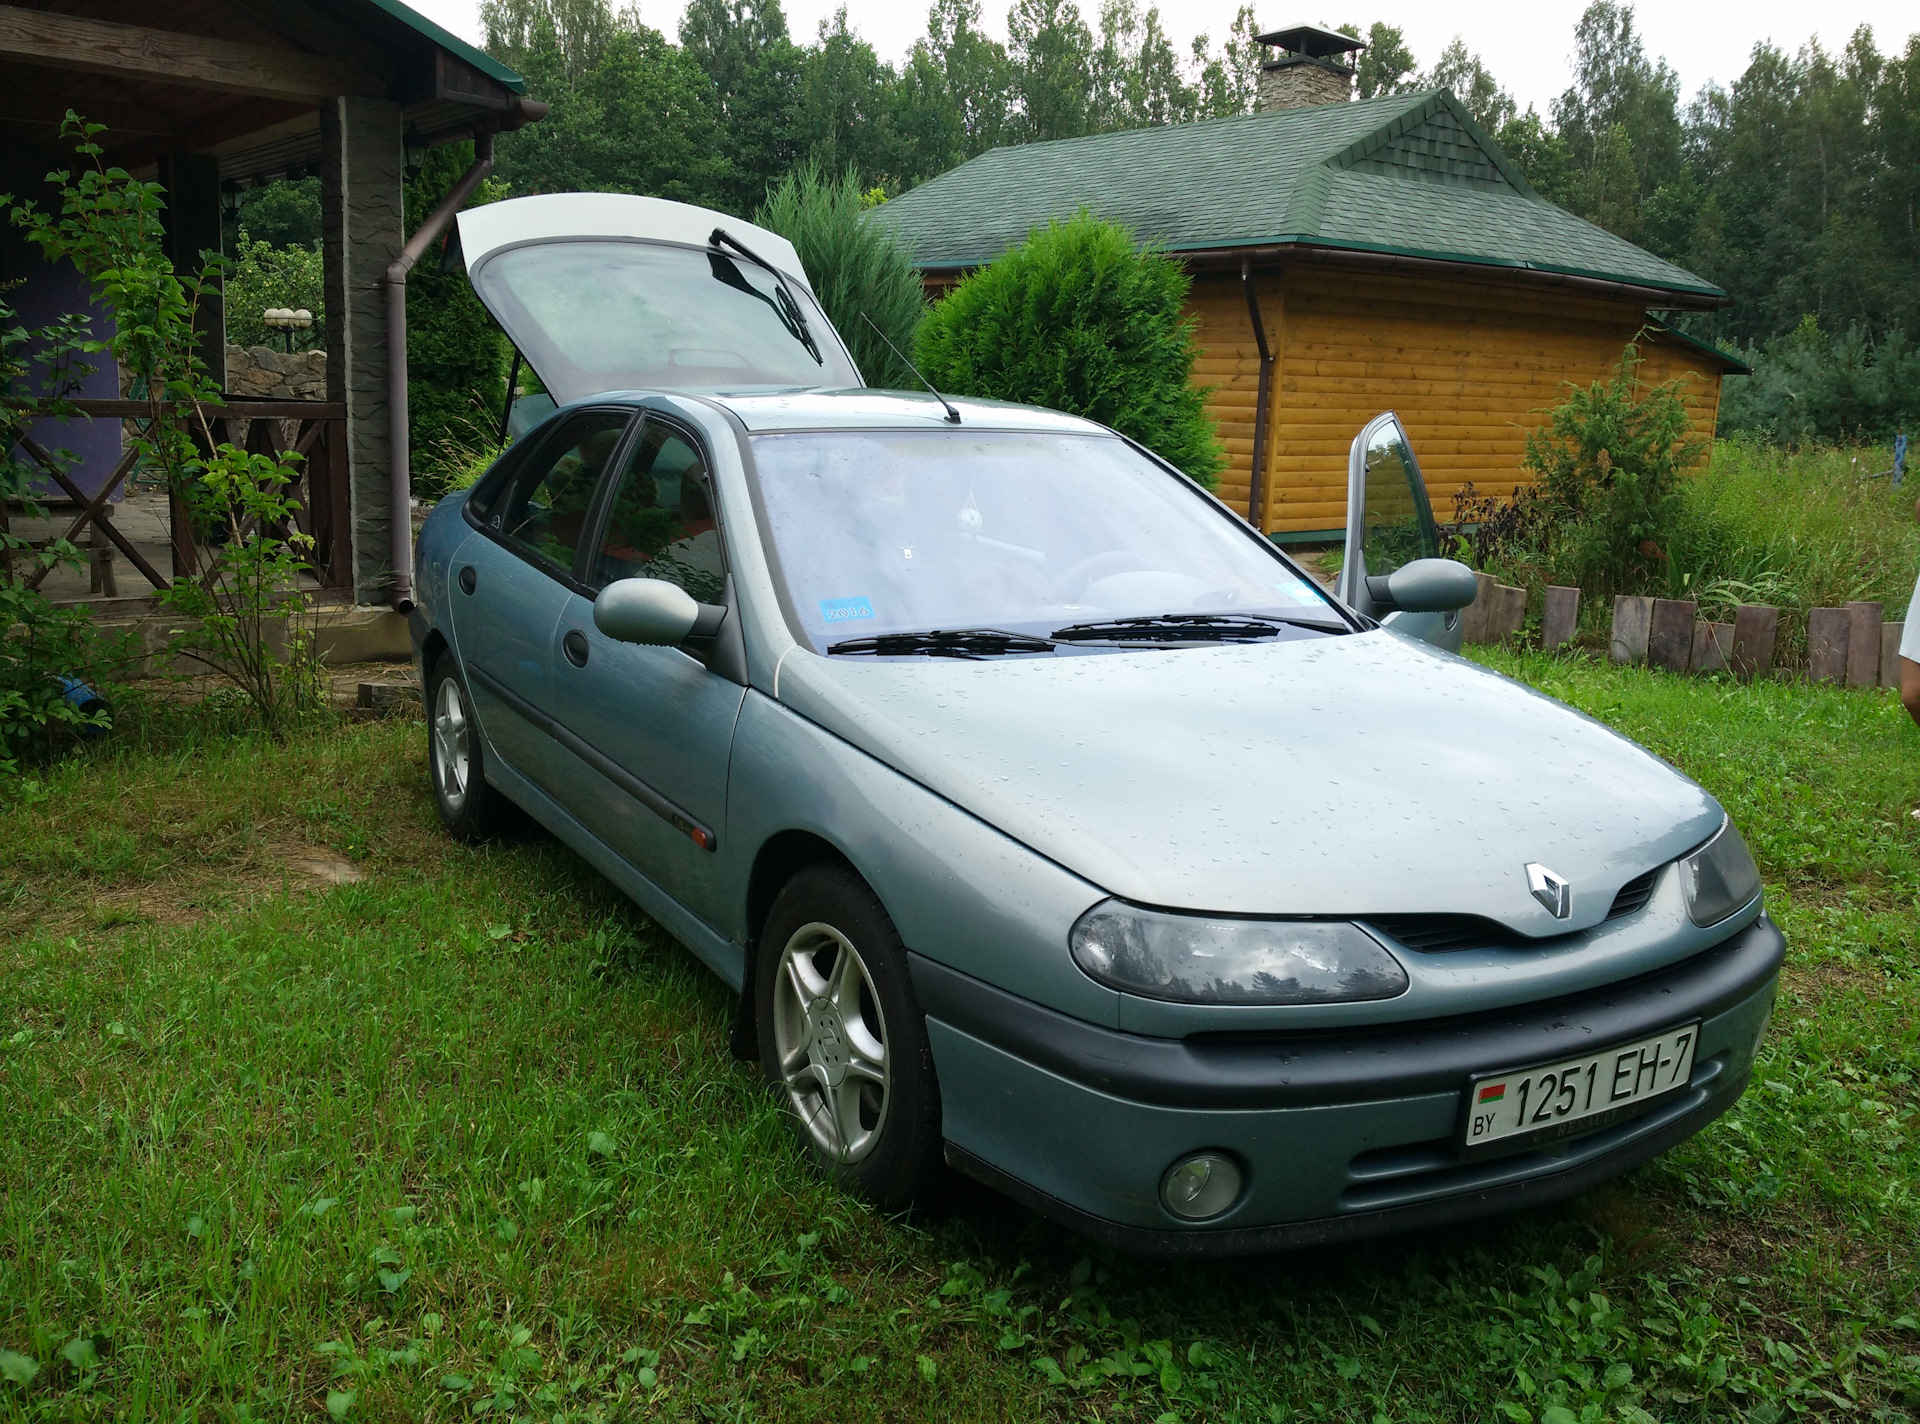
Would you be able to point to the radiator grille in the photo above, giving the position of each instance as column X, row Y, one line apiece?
column 1438, row 933
column 1633, row 895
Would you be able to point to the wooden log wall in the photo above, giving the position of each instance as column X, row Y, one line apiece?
column 1469, row 366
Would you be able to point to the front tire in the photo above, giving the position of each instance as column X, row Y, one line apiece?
column 842, row 1038
column 470, row 809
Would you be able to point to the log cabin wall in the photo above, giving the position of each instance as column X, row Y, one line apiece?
column 1469, row 366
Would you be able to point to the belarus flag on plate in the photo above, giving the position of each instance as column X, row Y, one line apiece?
column 1492, row 1092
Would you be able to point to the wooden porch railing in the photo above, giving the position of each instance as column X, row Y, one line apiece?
column 319, row 435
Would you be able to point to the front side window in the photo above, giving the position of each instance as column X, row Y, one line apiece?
column 660, row 524
column 543, row 510
column 887, row 532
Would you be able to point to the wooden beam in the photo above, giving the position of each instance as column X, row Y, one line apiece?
column 49, row 106
column 324, row 30
column 58, row 41
column 242, row 124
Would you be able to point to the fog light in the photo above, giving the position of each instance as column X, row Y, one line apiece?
column 1200, row 1187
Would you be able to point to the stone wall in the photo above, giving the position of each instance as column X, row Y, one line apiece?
column 261, row 373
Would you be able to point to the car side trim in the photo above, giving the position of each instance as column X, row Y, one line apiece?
column 1414, row 1216
column 701, row 835
column 1302, row 1068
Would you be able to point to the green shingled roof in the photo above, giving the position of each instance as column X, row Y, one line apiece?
column 1408, row 174
column 452, row 43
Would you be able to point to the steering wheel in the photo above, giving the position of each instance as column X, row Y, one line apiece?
column 1076, row 580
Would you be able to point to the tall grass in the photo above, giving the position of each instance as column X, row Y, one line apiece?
column 1795, row 529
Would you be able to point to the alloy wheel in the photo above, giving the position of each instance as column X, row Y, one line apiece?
column 452, row 748
column 831, row 1040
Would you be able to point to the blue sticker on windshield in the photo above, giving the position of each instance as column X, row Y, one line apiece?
column 842, row 610
column 1298, row 589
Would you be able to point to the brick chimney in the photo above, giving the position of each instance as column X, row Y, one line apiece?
column 1311, row 66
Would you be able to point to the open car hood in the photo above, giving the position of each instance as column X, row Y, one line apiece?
column 615, row 292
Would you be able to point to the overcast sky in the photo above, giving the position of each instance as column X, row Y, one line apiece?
column 1524, row 42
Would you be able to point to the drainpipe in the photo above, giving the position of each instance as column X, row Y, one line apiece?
column 1256, row 485
column 400, row 485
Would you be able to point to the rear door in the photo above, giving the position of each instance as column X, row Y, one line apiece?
column 1389, row 523
column 510, row 586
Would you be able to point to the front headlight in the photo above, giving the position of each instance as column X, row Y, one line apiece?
column 1191, row 959
column 1719, row 878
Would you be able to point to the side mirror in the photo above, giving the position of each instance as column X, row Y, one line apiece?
column 1424, row 586
column 654, row 613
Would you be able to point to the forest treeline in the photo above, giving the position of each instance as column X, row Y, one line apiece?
column 1795, row 187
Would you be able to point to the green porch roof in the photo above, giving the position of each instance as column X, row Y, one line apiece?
column 1405, row 174
column 451, row 42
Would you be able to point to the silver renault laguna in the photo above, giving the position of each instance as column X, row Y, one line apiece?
column 1051, row 824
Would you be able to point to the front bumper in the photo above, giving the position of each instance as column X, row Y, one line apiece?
column 1341, row 1135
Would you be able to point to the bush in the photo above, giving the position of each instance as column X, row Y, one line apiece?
column 456, row 355
column 264, row 276
column 1607, row 466
column 1079, row 319
column 858, row 269
column 1809, row 386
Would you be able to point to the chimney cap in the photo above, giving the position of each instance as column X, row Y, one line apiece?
column 1312, row 41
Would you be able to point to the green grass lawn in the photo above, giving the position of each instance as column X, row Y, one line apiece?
column 459, row 1135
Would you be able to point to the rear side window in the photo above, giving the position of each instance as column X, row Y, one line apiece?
column 543, row 508
column 660, row 523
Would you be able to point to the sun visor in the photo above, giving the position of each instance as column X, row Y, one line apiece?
column 550, row 216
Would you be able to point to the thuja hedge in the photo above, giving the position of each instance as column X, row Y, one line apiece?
column 1079, row 318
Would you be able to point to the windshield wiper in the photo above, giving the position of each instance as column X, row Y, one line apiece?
column 787, row 309
column 938, row 643
column 1183, row 628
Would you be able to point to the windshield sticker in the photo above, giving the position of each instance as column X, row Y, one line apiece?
column 1298, row 589
column 844, row 610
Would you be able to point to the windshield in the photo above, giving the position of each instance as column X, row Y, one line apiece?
column 592, row 316
column 890, row 532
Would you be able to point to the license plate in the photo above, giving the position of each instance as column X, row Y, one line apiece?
column 1526, row 1105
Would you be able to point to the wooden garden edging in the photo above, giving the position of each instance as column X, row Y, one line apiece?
column 1852, row 646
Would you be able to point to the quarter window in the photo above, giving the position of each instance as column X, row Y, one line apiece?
column 660, row 524
column 544, row 509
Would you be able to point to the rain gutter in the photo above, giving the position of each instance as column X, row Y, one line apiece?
column 1256, row 483
column 399, row 467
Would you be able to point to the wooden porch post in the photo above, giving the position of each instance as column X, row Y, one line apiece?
column 360, row 205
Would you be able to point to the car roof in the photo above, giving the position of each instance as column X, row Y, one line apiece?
column 763, row 412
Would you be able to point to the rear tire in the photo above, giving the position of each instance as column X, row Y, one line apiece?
column 842, row 1038
column 470, row 809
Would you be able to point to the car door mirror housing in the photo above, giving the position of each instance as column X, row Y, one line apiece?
column 1424, row 586
column 652, row 612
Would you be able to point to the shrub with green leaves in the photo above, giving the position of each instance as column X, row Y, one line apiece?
column 859, row 269
column 1607, row 465
column 1081, row 319
column 264, row 276
column 1813, row 386
column 456, row 355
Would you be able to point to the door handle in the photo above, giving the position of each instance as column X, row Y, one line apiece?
column 575, row 647
column 467, row 579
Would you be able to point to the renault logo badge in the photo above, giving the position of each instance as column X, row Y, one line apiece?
column 1553, row 891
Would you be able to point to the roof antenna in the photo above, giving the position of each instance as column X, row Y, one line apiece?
column 953, row 416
